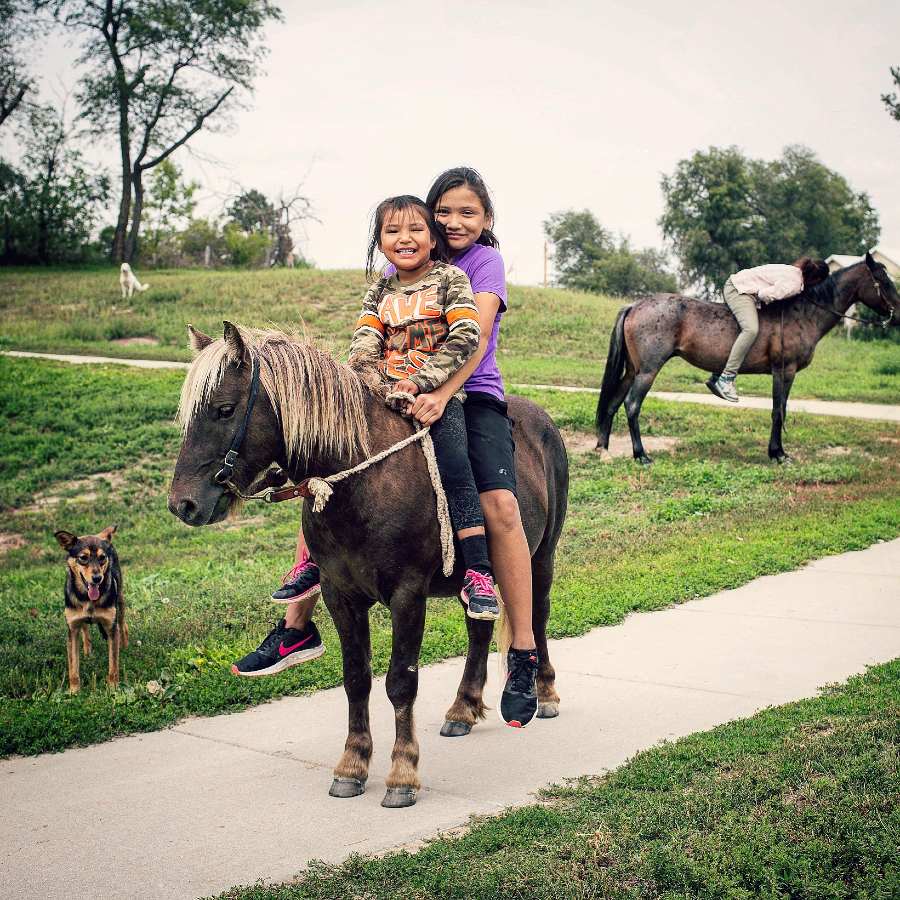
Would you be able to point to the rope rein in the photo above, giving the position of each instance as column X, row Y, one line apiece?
column 319, row 490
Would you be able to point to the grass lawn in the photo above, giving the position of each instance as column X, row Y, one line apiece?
column 552, row 336
column 796, row 801
column 81, row 448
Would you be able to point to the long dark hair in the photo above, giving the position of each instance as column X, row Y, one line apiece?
column 404, row 203
column 814, row 271
column 459, row 177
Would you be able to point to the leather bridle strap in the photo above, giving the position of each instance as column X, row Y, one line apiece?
column 223, row 476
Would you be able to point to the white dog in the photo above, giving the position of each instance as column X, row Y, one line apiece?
column 129, row 283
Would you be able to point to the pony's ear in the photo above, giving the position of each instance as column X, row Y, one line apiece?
column 870, row 261
column 237, row 352
column 65, row 538
column 197, row 340
column 107, row 533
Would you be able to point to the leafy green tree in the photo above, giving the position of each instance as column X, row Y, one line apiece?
column 169, row 206
column 587, row 257
column 891, row 100
column 252, row 212
column 725, row 212
column 16, row 27
column 202, row 242
column 157, row 72
column 246, row 250
column 50, row 206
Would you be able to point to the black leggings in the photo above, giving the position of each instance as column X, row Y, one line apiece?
column 452, row 451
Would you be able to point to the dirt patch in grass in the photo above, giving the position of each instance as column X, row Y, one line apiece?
column 619, row 445
column 10, row 541
column 145, row 340
column 83, row 490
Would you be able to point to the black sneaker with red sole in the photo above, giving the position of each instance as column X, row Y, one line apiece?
column 518, row 702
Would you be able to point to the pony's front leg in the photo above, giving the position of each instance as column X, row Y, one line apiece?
column 408, row 623
column 781, row 388
column 351, row 618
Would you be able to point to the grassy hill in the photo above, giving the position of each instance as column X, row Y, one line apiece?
column 551, row 336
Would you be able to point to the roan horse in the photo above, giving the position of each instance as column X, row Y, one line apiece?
column 647, row 334
column 378, row 537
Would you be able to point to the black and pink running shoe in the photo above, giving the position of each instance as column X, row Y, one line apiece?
column 480, row 596
column 301, row 582
column 281, row 648
column 518, row 702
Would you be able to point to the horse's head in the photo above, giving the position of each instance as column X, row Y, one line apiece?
column 877, row 290
column 217, row 415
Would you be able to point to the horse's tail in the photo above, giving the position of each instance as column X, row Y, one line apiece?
column 615, row 366
column 504, row 631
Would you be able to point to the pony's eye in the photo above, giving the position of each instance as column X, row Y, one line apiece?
column 226, row 411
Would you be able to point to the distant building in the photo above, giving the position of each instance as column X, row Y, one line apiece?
column 888, row 257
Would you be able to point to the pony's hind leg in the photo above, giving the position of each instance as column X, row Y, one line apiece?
column 542, row 579
column 633, row 402
column 605, row 423
column 351, row 619
column 408, row 626
column 468, row 707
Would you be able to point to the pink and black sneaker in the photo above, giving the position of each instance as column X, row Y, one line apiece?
column 480, row 596
column 281, row 648
column 301, row 582
column 518, row 701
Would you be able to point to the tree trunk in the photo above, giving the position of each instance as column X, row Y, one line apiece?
column 131, row 245
column 119, row 243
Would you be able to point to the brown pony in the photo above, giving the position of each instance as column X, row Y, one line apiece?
column 647, row 334
column 269, row 398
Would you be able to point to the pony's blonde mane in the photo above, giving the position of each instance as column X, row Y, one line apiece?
column 319, row 401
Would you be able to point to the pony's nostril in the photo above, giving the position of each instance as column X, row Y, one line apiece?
column 186, row 508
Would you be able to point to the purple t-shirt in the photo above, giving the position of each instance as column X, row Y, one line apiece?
column 484, row 266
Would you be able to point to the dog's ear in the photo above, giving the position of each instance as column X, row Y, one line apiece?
column 107, row 533
column 197, row 340
column 66, row 539
column 237, row 351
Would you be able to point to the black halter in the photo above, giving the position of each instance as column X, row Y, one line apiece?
column 223, row 476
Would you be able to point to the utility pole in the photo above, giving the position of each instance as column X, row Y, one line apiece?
column 545, row 264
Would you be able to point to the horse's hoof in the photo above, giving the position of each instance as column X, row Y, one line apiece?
column 347, row 787
column 455, row 729
column 398, row 797
column 549, row 710
column 644, row 460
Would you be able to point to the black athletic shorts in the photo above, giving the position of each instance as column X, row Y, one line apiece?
column 491, row 446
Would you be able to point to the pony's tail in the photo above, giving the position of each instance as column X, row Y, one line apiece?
column 504, row 630
column 615, row 367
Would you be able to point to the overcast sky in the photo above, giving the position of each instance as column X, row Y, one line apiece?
column 559, row 104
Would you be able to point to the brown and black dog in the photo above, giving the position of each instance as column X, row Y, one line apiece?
column 93, row 594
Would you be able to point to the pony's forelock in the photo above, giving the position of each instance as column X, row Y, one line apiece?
column 319, row 402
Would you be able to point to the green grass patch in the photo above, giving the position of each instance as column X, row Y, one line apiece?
column 85, row 447
column 796, row 801
column 551, row 336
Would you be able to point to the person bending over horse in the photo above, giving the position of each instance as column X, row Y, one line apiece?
column 462, row 205
column 748, row 289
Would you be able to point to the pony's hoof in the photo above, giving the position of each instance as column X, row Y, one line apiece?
column 398, row 797
column 455, row 729
column 549, row 710
column 643, row 460
column 347, row 787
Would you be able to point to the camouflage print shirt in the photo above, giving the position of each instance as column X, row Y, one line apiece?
column 423, row 331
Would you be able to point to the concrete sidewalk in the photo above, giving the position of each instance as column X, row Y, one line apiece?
column 883, row 412
column 217, row 802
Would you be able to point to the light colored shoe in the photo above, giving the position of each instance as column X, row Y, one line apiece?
column 723, row 387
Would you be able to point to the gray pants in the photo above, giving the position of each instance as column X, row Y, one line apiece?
column 744, row 308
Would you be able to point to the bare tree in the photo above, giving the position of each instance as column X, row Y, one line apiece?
column 891, row 100
column 158, row 72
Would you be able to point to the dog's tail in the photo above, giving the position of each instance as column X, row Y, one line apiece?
column 143, row 287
